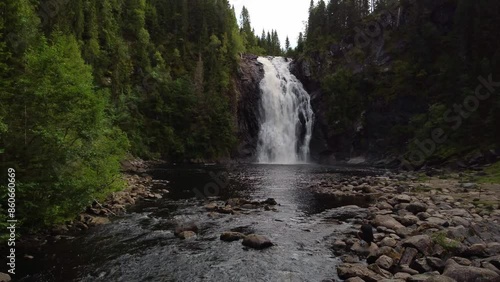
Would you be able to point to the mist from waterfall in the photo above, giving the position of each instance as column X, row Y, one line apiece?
column 286, row 115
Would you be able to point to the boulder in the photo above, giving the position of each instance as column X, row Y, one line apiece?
column 384, row 262
column 388, row 242
column 408, row 220
column 436, row 221
column 186, row 235
column 384, row 206
column 435, row 263
column 226, row 210
column 364, row 249
column 231, row 236
column 403, row 198
column 99, row 220
column 421, row 265
column 349, row 258
column 493, row 248
column 258, row 242
column 346, row 212
column 468, row 273
column 211, row 206
column 388, row 251
column 387, row 221
column 476, row 250
column 490, row 266
column 348, row 270
column 423, row 243
column 4, row 277
column 416, row 208
column 380, row 271
column 407, row 269
column 460, row 221
column 423, row 215
column 408, row 257
column 186, row 227
column 270, row 201
column 462, row 261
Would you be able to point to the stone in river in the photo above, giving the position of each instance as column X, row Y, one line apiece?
column 231, row 236
column 258, row 242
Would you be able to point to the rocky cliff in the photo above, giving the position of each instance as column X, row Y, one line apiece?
column 368, row 55
column 250, row 73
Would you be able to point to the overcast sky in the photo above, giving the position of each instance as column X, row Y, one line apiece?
column 288, row 17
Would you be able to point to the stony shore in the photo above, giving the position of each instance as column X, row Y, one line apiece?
column 428, row 229
column 139, row 185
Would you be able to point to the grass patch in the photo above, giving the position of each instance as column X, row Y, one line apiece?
column 487, row 205
column 442, row 240
column 493, row 174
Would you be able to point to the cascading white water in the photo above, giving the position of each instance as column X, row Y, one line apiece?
column 286, row 115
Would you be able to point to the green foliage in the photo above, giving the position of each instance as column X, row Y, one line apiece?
column 267, row 44
column 93, row 80
column 344, row 100
column 492, row 174
column 69, row 152
column 422, row 71
column 442, row 240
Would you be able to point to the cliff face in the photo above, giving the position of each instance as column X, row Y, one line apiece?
column 366, row 56
column 250, row 74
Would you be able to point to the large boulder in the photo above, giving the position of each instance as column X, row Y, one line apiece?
column 388, row 222
column 348, row 270
column 384, row 261
column 423, row 243
column 468, row 273
column 258, row 242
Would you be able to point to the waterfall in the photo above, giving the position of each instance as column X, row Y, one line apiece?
column 286, row 116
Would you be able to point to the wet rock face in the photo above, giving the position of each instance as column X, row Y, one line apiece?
column 250, row 74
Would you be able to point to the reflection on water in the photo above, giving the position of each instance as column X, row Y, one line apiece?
column 140, row 246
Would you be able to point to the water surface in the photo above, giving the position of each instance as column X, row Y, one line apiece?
column 141, row 246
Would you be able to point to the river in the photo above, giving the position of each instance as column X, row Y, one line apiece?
column 141, row 246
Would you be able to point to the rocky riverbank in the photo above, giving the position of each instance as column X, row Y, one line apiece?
column 139, row 185
column 426, row 229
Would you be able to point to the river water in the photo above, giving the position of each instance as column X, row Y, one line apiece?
column 141, row 246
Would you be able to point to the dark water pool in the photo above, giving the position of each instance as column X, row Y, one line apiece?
column 141, row 246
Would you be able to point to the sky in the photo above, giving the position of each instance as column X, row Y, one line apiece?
column 288, row 17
